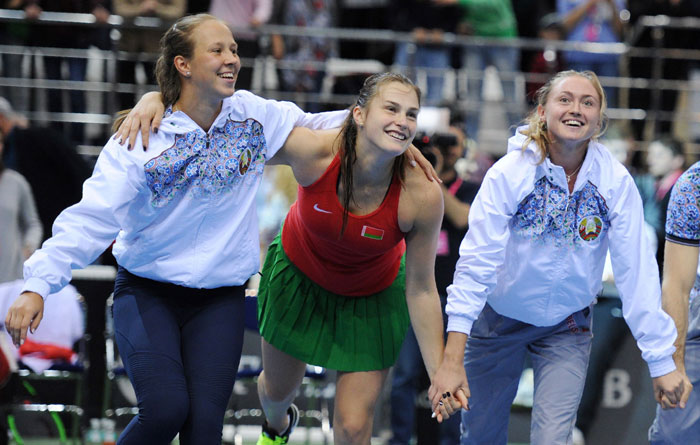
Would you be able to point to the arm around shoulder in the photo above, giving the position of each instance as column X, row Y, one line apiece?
column 307, row 152
column 145, row 116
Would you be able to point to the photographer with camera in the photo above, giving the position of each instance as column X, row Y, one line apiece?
column 443, row 150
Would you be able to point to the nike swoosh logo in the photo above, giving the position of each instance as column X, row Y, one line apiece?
column 319, row 209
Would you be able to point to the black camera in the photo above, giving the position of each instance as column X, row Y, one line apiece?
column 442, row 141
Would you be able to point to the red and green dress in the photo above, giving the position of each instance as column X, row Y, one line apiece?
column 332, row 301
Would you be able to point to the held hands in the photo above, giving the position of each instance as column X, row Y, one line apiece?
column 145, row 116
column 672, row 390
column 447, row 406
column 449, row 390
column 26, row 312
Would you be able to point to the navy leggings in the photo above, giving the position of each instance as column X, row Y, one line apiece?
column 181, row 348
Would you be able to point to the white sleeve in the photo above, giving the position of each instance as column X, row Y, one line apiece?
column 83, row 231
column 483, row 249
column 322, row 121
column 280, row 117
column 637, row 279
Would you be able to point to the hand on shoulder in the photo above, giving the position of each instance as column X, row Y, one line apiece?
column 421, row 202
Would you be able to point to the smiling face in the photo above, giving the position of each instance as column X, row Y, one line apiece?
column 215, row 64
column 389, row 121
column 572, row 111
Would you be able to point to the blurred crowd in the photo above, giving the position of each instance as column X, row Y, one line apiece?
column 427, row 56
column 42, row 180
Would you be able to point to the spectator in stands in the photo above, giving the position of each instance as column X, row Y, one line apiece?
column 21, row 228
column 66, row 37
column 665, row 160
column 142, row 42
column 55, row 171
column 593, row 21
column 528, row 14
column 241, row 16
column 304, row 54
column 549, row 61
column 14, row 34
column 457, row 194
column 427, row 22
column 625, row 150
column 649, row 98
column 490, row 19
column 197, row 6
column 475, row 164
column 363, row 14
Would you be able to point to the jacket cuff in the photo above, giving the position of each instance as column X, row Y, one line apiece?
column 37, row 285
column 456, row 323
column 661, row 367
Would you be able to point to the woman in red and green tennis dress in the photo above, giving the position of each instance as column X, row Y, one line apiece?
column 353, row 266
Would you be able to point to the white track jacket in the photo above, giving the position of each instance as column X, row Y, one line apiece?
column 535, row 252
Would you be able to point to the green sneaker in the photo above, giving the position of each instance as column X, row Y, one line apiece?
column 270, row 437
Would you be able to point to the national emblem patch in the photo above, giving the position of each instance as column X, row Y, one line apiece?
column 590, row 227
column 244, row 161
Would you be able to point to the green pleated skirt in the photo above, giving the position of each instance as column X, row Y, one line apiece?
column 322, row 328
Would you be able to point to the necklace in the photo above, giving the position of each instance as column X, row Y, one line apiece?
column 568, row 177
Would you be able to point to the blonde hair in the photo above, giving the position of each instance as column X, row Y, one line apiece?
column 176, row 41
column 537, row 127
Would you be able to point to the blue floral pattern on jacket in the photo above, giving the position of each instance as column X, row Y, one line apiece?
column 207, row 164
column 550, row 215
column 683, row 216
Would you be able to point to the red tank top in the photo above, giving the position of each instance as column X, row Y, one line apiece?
column 365, row 260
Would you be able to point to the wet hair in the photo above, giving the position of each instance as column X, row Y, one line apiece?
column 349, row 131
column 176, row 41
column 537, row 127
